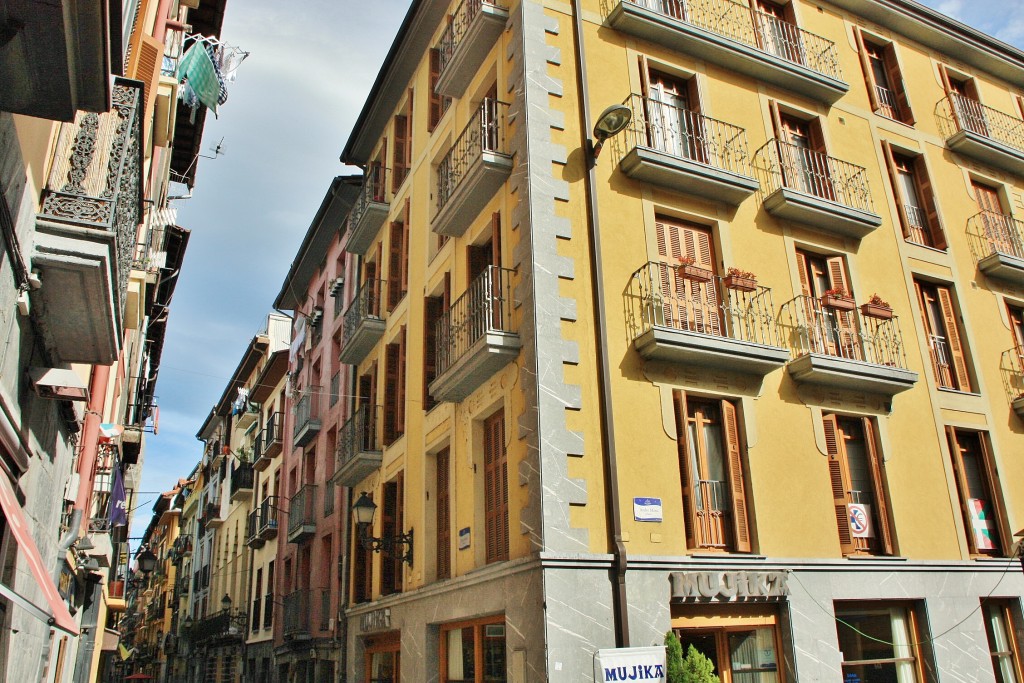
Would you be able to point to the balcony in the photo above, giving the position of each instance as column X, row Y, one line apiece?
column 302, row 514
column 706, row 324
column 476, row 337
column 224, row 625
column 245, row 415
column 242, row 478
column 86, row 231
column 364, row 322
column 734, row 36
column 211, row 516
column 1011, row 368
column 297, row 615
column 687, row 152
column 307, row 417
column 359, row 450
column 266, row 528
column 997, row 243
column 473, row 169
column 812, row 188
column 368, row 212
column 845, row 349
column 252, row 525
column 269, row 442
column 985, row 134
column 472, row 32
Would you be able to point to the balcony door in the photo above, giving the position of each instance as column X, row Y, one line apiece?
column 966, row 105
column 803, row 157
column 687, row 303
column 776, row 32
column 674, row 124
column 830, row 331
column 999, row 230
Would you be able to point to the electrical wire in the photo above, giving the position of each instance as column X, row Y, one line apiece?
column 924, row 641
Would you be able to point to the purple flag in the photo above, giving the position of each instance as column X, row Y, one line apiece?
column 118, row 508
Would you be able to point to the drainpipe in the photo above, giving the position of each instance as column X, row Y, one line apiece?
column 90, row 436
column 160, row 28
column 611, row 477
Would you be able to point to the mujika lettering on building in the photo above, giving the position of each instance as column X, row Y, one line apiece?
column 635, row 672
column 729, row 585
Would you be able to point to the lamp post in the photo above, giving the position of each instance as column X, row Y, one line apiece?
column 146, row 560
column 363, row 510
column 225, row 602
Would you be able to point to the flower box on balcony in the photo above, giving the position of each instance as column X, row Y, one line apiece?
column 876, row 311
column 838, row 302
column 741, row 283
column 694, row 273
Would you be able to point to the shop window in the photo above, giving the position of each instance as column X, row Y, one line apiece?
column 945, row 346
column 495, row 488
column 977, row 484
column 884, row 80
column 746, row 648
column 883, row 642
column 474, row 652
column 857, row 475
column 383, row 659
column 1003, row 632
column 712, row 473
column 915, row 198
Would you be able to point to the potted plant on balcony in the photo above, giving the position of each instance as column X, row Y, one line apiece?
column 838, row 299
column 740, row 280
column 876, row 307
column 688, row 270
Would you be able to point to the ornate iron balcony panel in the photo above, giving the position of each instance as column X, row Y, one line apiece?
column 364, row 322
column 472, row 32
column 983, row 133
column 359, row 447
column 997, row 243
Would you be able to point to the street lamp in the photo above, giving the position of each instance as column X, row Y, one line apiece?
column 225, row 602
column 612, row 121
column 363, row 510
column 146, row 560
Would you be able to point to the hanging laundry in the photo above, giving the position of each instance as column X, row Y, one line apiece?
column 213, row 51
column 197, row 69
column 228, row 59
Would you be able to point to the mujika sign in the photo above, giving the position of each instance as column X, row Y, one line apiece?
column 728, row 585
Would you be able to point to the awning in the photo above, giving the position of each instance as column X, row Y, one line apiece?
column 58, row 616
column 111, row 639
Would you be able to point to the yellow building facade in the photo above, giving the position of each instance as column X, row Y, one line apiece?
column 751, row 373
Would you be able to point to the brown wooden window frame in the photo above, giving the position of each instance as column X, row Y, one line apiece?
column 921, row 658
column 392, row 524
column 394, row 398
column 401, row 151
column 956, row 440
column 496, row 508
column 736, row 535
column 479, row 631
column 898, row 161
column 938, row 308
column 438, row 103
column 870, row 48
column 1009, row 616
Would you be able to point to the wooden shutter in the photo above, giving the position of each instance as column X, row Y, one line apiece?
column 400, row 389
column 144, row 62
column 395, row 267
column 688, row 304
column 432, row 311
column 846, row 321
column 839, row 479
column 897, row 188
column 995, row 492
column 878, row 482
column 436, row 109
column 389, row 578
column 391, row 356
column 927, row 194
column 926, row 323
column 495, row 488
column 496, row 239
column 442, row 463
column 956, row 349
column 740, row 518
column 956, row 455
column 404, row 256
column 687, row 475
column 399, row 162
column 362, row 571
column 865, row 65
column 777, row 128
column 895, row 76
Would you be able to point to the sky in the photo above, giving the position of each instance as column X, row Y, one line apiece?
column 283, row 127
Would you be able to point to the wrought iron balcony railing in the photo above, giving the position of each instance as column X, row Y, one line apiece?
column 957, row 113
column 307, row 415
column 297, row 613
column 457, row 28
column 372, row 192
column 366, row 305
column 755, row 29
column 226, row 624
column 485, row 132
column 242, row 478
column 359, row 434
column 782, row 165
column 268, row 510
column 995, row 233
column 814, row 328
column 302, row 509
column 487, row 306
column 1011, row 367
column 687, row 134
column 251, row 527
column 659, row 297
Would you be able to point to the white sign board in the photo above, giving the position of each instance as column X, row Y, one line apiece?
column 647, row 509
column 630, row 664
column 860, row 520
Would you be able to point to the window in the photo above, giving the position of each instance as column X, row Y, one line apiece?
column 776, row 32
column 474, row 652
column 672, row 106
column 967, row 109
column 712, row 472
column 362, row 566
column 402, row 152
column 944, row 344
column 394, row 397
column 442, row 463
column 915, row 198
column 495, row 488
column 1002, row 641
column 802, row 154
column 438, row 103
column 383, row 659
column 831, row 330
column 398, row 259
column 1000, row 228
column 1016, row 315
column 857, row 476
column 880, row 643
column 977, row 484
column 392, row 524
column 747, row 650
column 688, row 303
column 434, row 308
column 884, row 80
column 268, row 599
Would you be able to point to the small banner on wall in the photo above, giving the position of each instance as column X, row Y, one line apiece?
column 860, row 520
column 630, row 664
